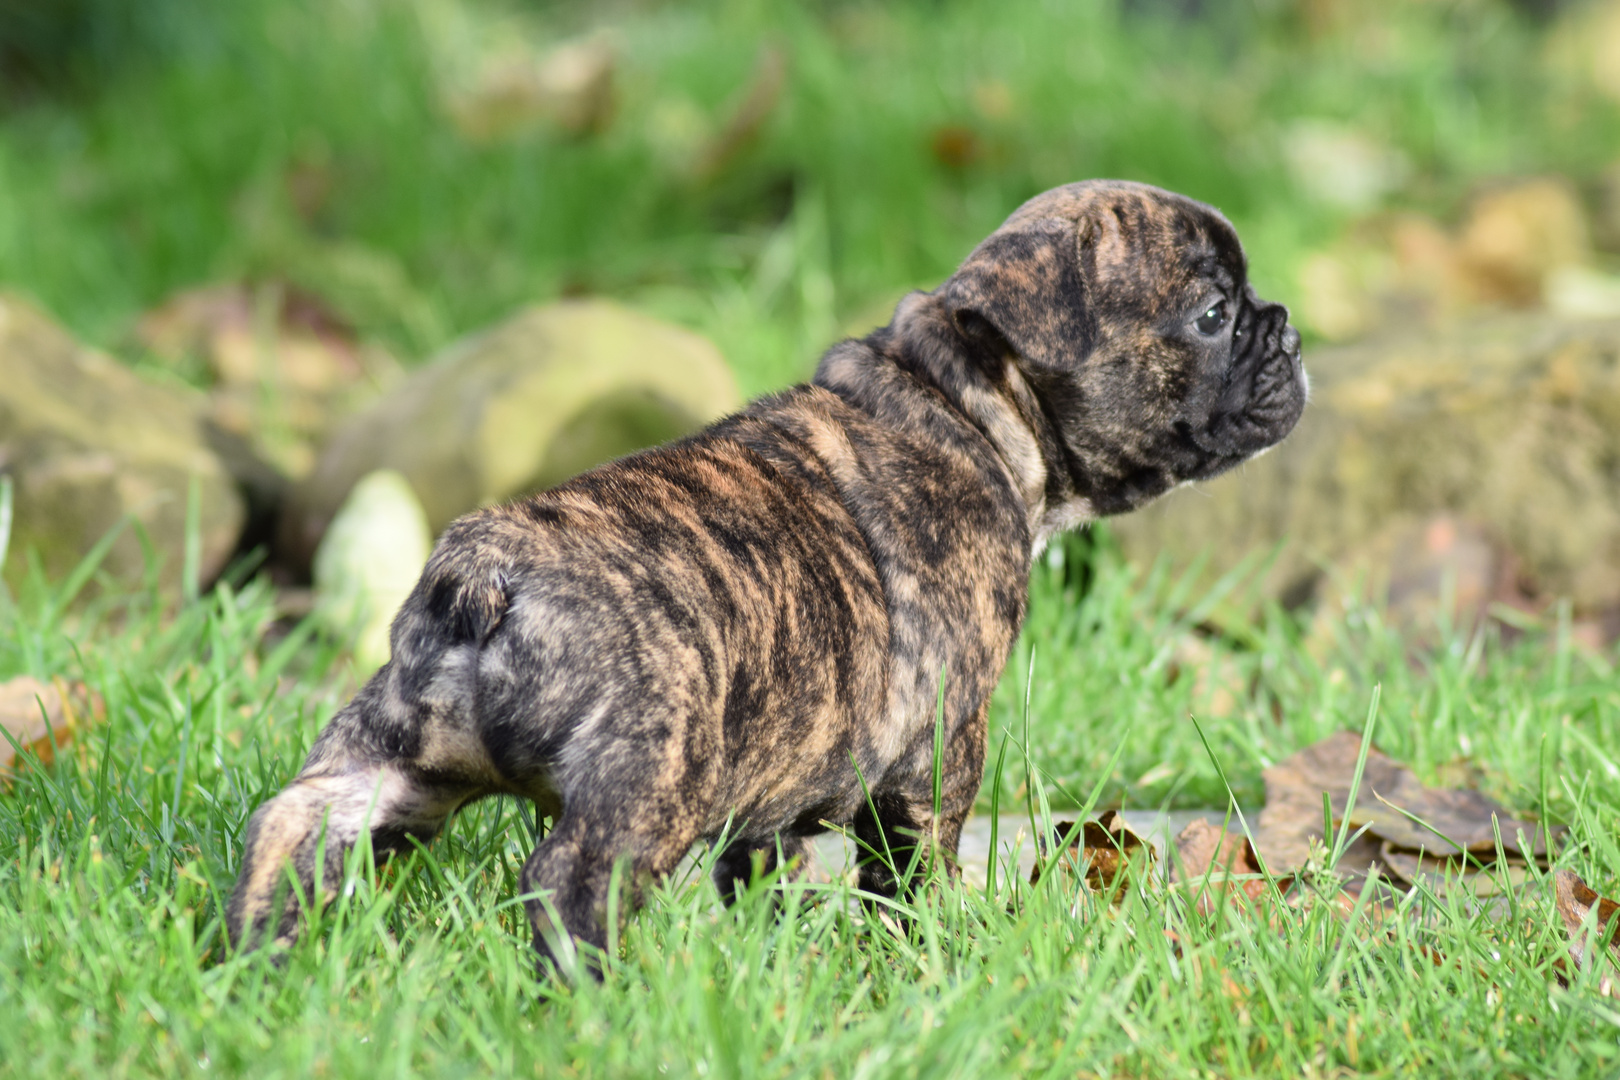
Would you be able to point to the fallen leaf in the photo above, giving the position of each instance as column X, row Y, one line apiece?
column 1203, row 846
column 516, row 90
column 1215, row 862
column 1292, row 818
column 1443, row 876
column 1454, row 820
column 41, row 718
column 1102, row 853
column 956, row 146
column 281, row 362
column 1461, row 819
column 1447, row 564
column 1584, row 911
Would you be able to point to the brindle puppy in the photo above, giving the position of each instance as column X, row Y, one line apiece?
column 724, row 628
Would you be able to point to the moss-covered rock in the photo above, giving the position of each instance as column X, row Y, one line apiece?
column 1511, row 424
column 87, row 441
column 368, row 563
column 520, row 407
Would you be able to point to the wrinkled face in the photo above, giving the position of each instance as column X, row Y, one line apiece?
column 1131, row 316
column 1189, row 372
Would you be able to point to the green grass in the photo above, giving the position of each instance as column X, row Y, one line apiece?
column 164, row 166
column 114, row 863
column 1139, row 654
column 171, row 166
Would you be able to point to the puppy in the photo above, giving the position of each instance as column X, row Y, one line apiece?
column 727, row 628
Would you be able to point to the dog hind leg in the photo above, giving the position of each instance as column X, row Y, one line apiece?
column 310, row 827
column 573, row 869
column 393, row 767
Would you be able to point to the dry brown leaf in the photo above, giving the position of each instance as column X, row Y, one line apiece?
column 1447, row 564
column 249, row 334
column 1203, row 846
column 1455, row 820
column 1443, row 876
column 1216, row 863
column 1102, row 852
column 41, row 718
column 1583, row 910
column 1462, row 820
column 515, row 91
column 1292, row 818
column 956, row 146
column 284, row 366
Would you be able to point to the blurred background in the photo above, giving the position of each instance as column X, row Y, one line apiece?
column 252, row 254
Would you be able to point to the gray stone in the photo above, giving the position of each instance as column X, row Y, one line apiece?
column 520, row 407
column 87, row 441
column 368, row 563
column 1508, row 425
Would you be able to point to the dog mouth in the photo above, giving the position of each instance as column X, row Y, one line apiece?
column 1205, row 460
column 1262, row 398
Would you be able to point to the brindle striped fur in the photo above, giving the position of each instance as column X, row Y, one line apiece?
column 722, row 629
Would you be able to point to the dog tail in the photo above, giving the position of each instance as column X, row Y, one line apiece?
column 462, row 595
column 460, row 600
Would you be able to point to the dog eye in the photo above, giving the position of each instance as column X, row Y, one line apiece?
column 1212, row 320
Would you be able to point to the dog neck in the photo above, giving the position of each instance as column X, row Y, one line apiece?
column 986, row 388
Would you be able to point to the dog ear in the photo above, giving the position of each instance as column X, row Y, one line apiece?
column 1028, row 285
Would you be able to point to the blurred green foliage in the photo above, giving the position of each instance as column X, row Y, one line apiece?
column 57, row 46
column 145, row 148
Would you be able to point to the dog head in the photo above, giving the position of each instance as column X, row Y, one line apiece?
column 1128, row 313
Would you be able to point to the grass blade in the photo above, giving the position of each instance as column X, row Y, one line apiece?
column 191, row 567
column 1342, row 839
column 7, row 494
column 995, row 821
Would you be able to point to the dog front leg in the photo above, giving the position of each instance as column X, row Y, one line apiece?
column 745, row 861
column 899, row 832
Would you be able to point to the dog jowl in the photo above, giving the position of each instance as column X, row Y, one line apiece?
column 722, row 630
